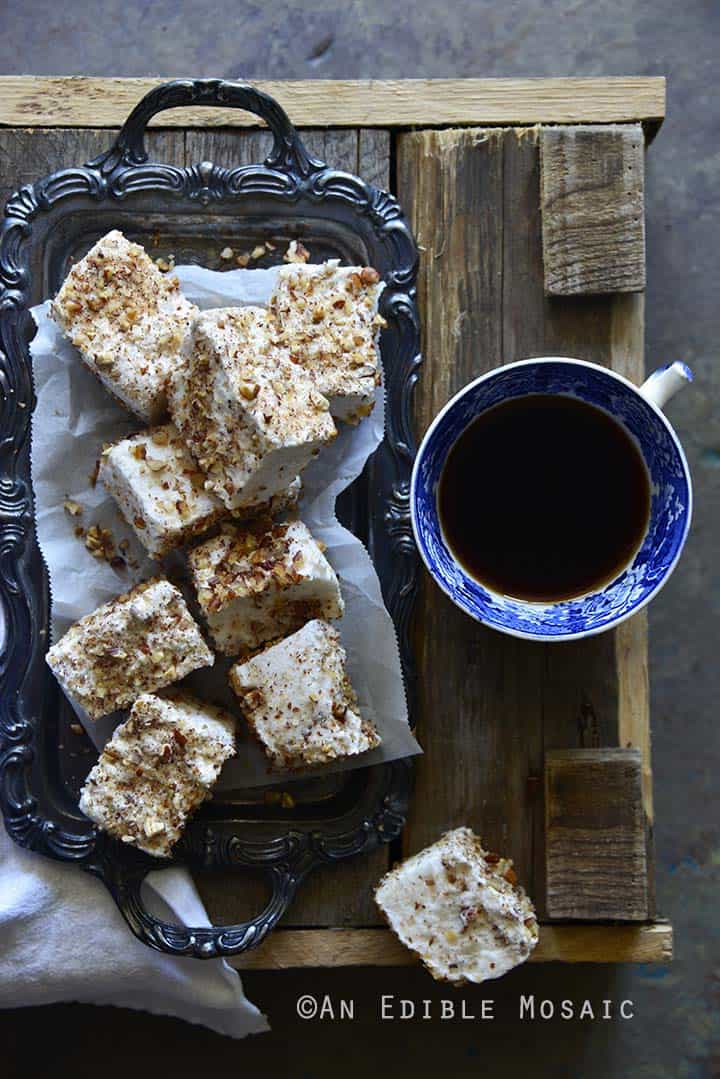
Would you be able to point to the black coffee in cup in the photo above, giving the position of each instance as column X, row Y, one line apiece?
column 544, row 497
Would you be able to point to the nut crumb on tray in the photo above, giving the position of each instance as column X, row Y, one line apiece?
column 296, row 252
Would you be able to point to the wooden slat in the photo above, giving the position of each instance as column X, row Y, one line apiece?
column 479, row 715
column 336, row 896
column 32, row 101
column 482, row 302
column 289, row 948
column 374, row 156
column 227, row 149
column 593, row 691
column 27, row 155
column 593, row 208
column 634, row 696
column 595, row 854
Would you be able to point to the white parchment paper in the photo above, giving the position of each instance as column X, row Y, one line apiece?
column 74, row 416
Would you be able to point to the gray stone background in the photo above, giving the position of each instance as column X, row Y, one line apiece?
column 676, row 1029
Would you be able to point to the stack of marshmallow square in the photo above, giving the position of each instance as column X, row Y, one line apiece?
column 251, row 395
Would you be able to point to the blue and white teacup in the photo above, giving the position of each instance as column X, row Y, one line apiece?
column 638, row 410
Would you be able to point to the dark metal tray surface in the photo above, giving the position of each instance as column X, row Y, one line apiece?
column 187, row 211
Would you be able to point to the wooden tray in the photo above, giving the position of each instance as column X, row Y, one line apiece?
column 492, row 709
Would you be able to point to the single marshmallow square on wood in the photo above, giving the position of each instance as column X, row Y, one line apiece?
column 157, row 768
column 298, row 701
column 254, row 585
column 251, row 418
column 128, row 320
column 459, row 907
column 137, row 643
column 327, row 317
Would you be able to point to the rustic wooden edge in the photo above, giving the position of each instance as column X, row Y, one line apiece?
column 596, row 865
column 81, row 101
column 592, row 198
column 566, row 943
column 290, row 948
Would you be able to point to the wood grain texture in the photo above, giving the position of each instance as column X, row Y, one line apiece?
column 480, row 718
column 374, row 147
column 490, row 705
column 471, row 731
column 27, row 155
column 233, row 148
column 634, row 697
column 290, row 948
column 79, row 101
column 595, row 852
column 593, row 215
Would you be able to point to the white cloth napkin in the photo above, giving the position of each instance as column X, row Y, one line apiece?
column 63, row 939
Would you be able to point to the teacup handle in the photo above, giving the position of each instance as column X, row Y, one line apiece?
column 665, row 383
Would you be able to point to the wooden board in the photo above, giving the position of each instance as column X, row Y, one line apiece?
column 593, row 209
column 500, row 704
column 287, row 948
column 74, row 101
column 477, row 760
column 490, row 706
column 595, row 852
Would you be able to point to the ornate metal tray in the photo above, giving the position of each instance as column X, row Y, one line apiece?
column 46, row 225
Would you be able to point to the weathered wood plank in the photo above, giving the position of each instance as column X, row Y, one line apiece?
column 593, row 692
column 522, row 318
column 634, row 697
column 480, row 719
column 288, row 948
column 482, row 301
column 593, row 215
column 26, row 155
column 228, row 149
column 596, row 866
column 233, row 148
column 374, row 156
column 79, row 101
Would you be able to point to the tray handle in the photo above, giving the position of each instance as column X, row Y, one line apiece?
column 200, row 942
column 288, row 153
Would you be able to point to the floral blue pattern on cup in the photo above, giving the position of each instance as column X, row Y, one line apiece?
column 670, row 511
